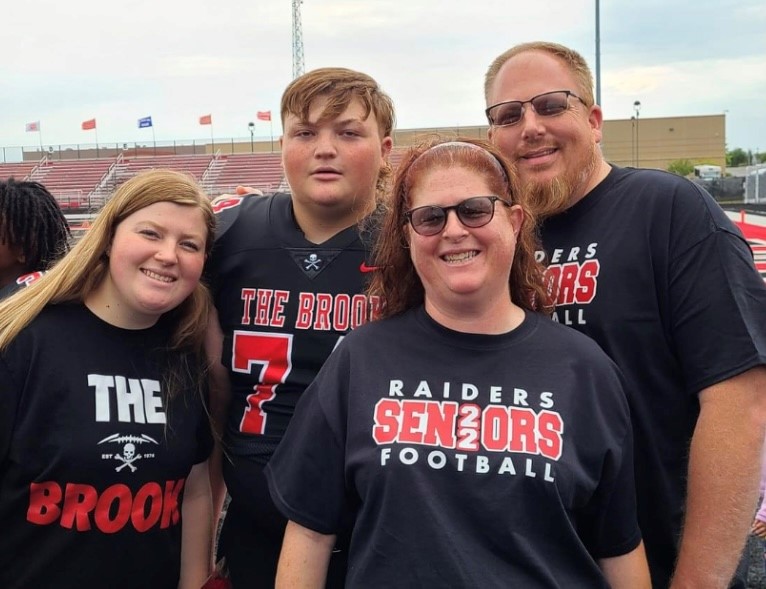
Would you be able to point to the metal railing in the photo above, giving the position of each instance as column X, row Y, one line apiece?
column 74, row 151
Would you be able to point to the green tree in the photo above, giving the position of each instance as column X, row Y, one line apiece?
column 760, row 158
column 681, row 167
column 737, row 157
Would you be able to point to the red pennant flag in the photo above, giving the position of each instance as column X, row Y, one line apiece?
column 89, row 124
column 263, row 115
column 206, row 120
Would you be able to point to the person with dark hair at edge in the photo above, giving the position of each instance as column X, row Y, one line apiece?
column 34, row 233
column 647, row 264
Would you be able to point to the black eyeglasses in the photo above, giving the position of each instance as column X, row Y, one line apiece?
column 549, row 104
column 473, row 212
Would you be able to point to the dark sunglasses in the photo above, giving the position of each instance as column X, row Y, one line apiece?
column 549, row 104
column 473, row 212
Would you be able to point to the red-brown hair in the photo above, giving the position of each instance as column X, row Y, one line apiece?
column 397, row 282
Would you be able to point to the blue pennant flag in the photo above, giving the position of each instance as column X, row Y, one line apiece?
column 145, row 122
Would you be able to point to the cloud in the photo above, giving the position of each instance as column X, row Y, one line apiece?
column 689, row 86
column 174, row 60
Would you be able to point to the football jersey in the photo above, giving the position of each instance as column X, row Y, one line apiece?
column 283, row 303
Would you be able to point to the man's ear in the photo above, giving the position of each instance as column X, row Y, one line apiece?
column 386, row 146
column 596, row 122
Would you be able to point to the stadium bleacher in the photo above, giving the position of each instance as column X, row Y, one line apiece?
column 191, row 164
column 396, row 157
column 73, row 182
column 83, row 185
column 19, row 171
column 258, row 170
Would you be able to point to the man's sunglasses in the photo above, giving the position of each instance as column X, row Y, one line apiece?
column 473, row 212
column 549, row 104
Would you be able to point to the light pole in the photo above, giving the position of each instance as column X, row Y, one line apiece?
column 633, row 141
column 598, row 53
column 251, row 126
column 637, row 108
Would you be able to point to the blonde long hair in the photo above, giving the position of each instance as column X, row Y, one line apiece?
column 78, row 273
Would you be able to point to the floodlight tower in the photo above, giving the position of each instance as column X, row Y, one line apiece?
column 297, row 39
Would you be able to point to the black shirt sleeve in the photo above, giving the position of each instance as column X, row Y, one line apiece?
column 717, row 297
column 307, row 472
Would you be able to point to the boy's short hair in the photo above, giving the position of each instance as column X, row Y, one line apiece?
column 340, row 86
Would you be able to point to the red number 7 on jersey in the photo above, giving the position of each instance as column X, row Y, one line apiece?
column 272, row 351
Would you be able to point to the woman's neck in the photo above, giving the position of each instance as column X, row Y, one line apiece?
column 489, row 319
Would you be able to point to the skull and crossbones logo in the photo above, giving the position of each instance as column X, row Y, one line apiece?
column 312, row 262
column 128, row 457
column 129, row 453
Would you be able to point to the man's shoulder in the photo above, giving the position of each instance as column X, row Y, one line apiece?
column 570, row 341
column 648, row 193
column 249, row 213
column 649, row 180
column 690, row 202
column 234, row 206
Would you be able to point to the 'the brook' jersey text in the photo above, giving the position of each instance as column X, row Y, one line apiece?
column 321, row 311
column 283, row 304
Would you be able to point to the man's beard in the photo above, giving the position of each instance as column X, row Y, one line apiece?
column 550, row 197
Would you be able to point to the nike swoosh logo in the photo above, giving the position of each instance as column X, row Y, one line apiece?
column 365, row 268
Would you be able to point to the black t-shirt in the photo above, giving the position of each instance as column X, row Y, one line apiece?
column 649, row 266
column 283, row 303
column 19, row 283
column 472, row 460
column 93, row 458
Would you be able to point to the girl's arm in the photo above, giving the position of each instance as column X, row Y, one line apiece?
column 627, row 571
column 197, row 531
column 304, row 558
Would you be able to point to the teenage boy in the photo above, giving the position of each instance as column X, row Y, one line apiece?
column 288, row 273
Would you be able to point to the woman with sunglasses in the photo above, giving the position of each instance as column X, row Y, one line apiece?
column 479, row 443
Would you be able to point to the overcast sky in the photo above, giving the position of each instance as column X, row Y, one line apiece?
column 65, row 62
